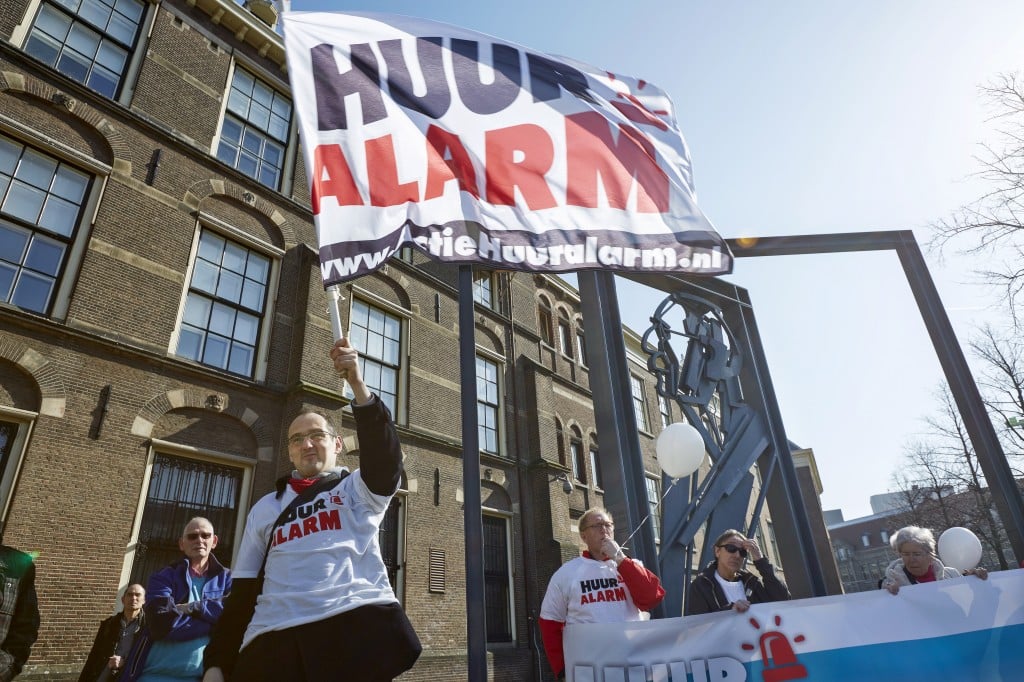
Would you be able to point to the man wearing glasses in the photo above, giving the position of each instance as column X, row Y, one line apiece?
column 325, row 609
column 602, row 586
column 725, row 586
column 183, row 601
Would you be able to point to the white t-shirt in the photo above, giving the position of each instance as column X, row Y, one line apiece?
column 585, row 590
column 326, row 560
column 733, row 589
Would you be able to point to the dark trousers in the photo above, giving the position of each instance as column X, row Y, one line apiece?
column 373, row 643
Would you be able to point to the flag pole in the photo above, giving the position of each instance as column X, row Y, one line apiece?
column 333, row 297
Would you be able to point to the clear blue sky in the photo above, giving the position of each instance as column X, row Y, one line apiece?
column 805, row 117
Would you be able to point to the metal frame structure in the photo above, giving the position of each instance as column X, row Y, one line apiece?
column 764, row 438
column 619, row 448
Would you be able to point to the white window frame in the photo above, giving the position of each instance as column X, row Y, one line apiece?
column 403, row 354
column 499, row 361
column 222, row 229
column 577, row 456
column 22, row 134
column 26, row 421
column 19, row 37
column 636, row 390
column 156, row 446
column 594, row 455
column 565, row 337
column 652, row 484
column 480, row 277
column 291, row 141
column 665, row 409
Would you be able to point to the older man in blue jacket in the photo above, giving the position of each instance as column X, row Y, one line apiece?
column 183, row 601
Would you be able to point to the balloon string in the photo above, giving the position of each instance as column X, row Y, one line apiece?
column 644, row 519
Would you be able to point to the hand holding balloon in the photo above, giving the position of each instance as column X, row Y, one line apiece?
column 960, row 548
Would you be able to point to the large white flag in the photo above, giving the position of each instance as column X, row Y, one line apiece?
column 476, row 150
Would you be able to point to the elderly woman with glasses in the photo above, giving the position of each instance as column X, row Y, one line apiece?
column 725, row 586
column 917, row 562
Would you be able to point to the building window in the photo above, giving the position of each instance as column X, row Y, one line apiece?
column 560, row 439
column 14, row 429
column 654, row 506
column 777, row 560
column 865, row 540
column 595, row 465
column 181, row 488
column 544, row 323
column 665, row 410
column 391, row 539
column 579, row 459
column 41, row 201
column 885, row 537
column 378, row 335
column 254, row 135
column 483, row 289
column 497, row 583
column 581, row 348
column 225, row 305
column 565, row 338
column 90, row 41
column 639, row 406
column 487, row 404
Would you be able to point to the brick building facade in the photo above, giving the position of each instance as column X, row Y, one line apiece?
column 162, row 318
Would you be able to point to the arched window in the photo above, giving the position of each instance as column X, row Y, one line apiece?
column 579, row 458
column 544, row 321
column 560, row 437
column 564, row 335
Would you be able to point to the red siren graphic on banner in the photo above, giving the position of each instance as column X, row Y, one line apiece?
column 780, row 662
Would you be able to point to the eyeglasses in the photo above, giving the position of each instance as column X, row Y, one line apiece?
column 732, row 549
column 317, row 436
column 195, row 536
column 913, row 555
column 607, row 525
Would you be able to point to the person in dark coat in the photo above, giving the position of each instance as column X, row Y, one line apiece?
column 725, row 586
column 19, row 611
column 115, row 637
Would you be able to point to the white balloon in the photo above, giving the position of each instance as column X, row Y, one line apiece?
column 959, row 548
column 680, row 450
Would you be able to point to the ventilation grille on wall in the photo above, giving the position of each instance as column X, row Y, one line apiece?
column 435, row 582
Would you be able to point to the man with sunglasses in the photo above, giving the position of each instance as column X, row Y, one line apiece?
column 724, row 585
column 183, row 601
column 312, row 601
column 602, row 586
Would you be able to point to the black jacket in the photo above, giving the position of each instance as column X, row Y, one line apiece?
column 19, row 611
column 706, row 595
column 103, row 647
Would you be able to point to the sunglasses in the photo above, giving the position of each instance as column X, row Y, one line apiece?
column 732, row 549
column 196, row 536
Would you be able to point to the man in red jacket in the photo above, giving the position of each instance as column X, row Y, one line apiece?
column 602, row 586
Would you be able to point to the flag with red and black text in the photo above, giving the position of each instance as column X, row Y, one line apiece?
column 477, row 150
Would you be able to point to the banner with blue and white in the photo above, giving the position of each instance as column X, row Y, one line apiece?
column 959, row 630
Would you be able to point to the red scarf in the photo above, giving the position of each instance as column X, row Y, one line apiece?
column 300, row 484
column 928, row 577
